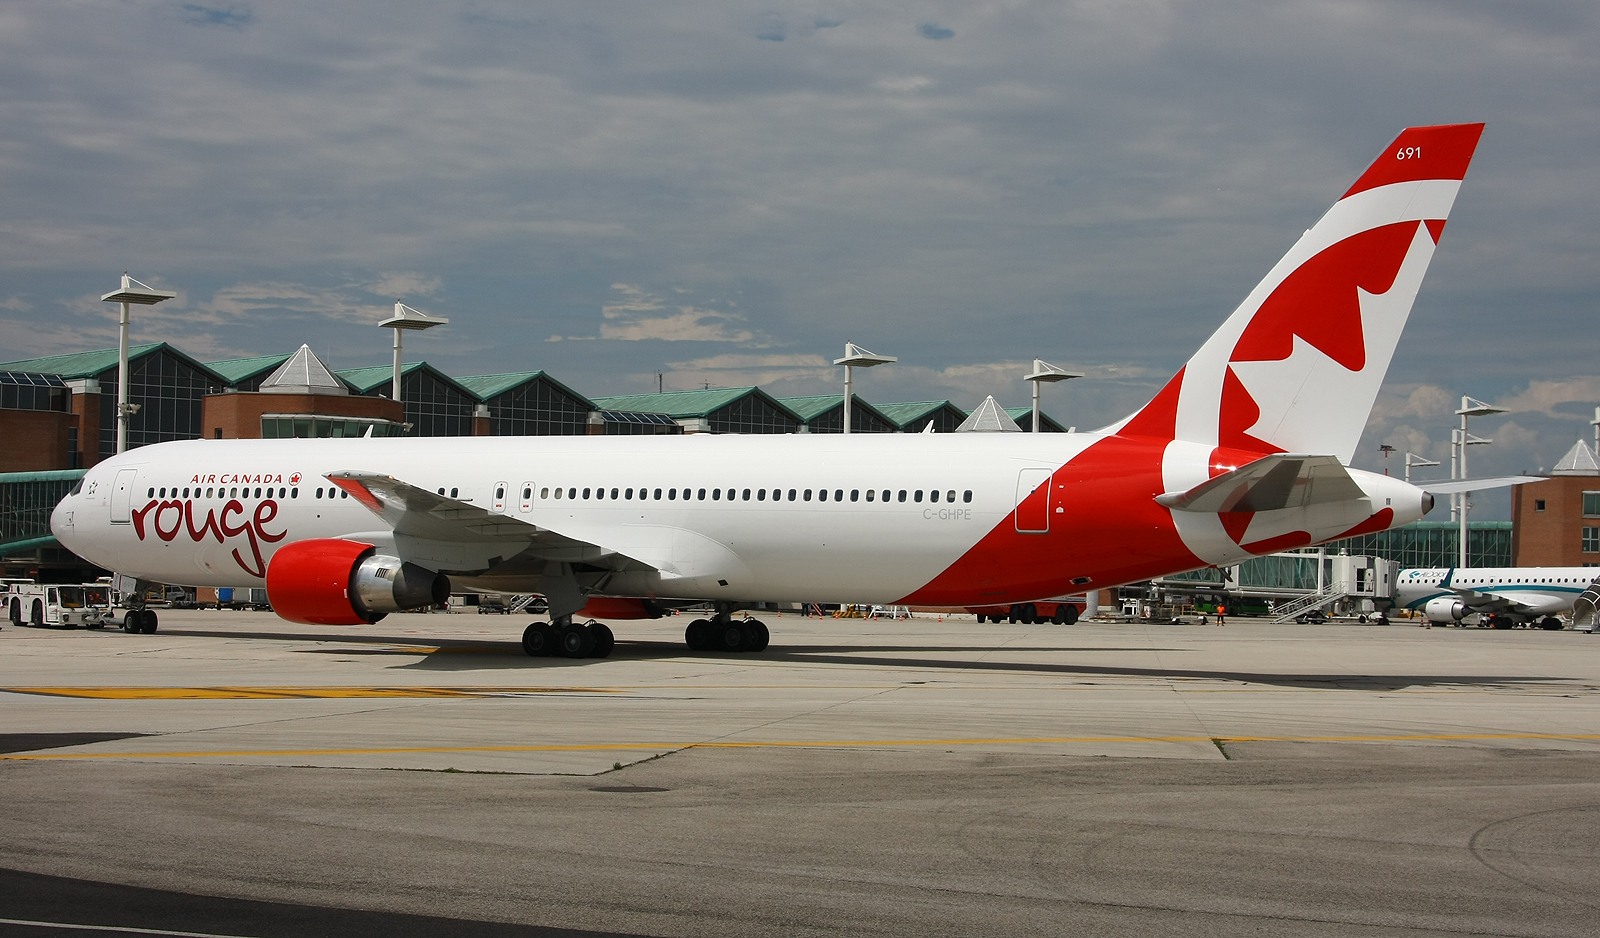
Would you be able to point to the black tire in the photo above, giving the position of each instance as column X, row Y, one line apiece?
column 36, row 616
column 759, row 634
column 604, row 641
column 538, row 640
column 1067, row 613
column 697, row 635
column 982, row 618
column 130, row 622
column 1501, row 623
column 148, row 621
column 1011, row 616
column 732, row 636
column 1030, row 614
column 16, row 611
column 1552, row 624
column 576, row 641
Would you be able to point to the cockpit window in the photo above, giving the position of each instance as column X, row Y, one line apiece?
column 76, row 487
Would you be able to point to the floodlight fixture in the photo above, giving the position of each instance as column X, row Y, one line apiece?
column 132, row 293
column 407, row 319
column 1042, row 372
column 856, row 357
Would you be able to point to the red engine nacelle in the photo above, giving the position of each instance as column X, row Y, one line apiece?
column 332, row 581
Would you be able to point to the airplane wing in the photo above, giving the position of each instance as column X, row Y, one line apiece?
column 428, row 516
column 1481, row 600
column 1282, row 480
column 1450, row 487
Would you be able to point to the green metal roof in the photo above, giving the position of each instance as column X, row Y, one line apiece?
column 487, row 386
column 80, row 364
column 1017, row 413
column 683, row 404
column 238, row 369
column 902, row 415
column 810, row 408
column 46, row 475
column 364, row 380
column 90, row 364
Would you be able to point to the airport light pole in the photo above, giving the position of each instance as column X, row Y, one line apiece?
column 133, row 293
column 1044, row 371
column 1470, row 407
column 405, row 318
column 1412, row 459
column 856, row 357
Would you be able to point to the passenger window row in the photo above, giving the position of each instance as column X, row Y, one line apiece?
column 745, row 495
column 224, row 491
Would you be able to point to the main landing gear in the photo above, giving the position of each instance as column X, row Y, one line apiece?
column 725, row 633
column 142, row 620
column 566, row 638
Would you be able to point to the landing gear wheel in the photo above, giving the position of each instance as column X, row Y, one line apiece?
column 1551, row 624
column 539, row 640
column 698, row 635
column 604, row 641
column 733, row 636
column 759, row 636
column 131, row 622
column 576, row 641
column 147, row 621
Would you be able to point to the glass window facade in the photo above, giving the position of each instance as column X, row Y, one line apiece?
column 1434, row 544
column 297, row 427
column 751, row 414
column 537, row 408
column 433, row 407
column 1591, row 504
column 1591, row 540
column 25, row 506
column 861, row 421
column 24, row 391
column 169, row 393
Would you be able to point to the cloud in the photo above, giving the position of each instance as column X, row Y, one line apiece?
column 401, row 284
column 232, row 16
column 637, row 315
column 934, row 31
column 1549, row 398
column 17, row 304
column 247, row 299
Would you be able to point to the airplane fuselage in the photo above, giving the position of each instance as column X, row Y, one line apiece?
column 938, row 519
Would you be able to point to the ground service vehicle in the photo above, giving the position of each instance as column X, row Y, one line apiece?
column 59, row 605
column 1244, row 452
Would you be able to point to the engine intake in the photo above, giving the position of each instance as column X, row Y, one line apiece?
column 1445, row 609
column 333, row 581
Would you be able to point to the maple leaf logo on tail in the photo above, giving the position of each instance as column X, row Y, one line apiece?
column 1298, row 364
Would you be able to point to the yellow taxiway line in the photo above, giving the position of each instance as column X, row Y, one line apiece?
column 806, row 743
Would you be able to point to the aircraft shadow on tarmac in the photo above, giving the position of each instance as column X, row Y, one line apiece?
column 478, row 655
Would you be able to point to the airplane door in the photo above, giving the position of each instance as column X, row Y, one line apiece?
column 122, row 496
column 1033, row 513
column 527, row 496
column 500, row 497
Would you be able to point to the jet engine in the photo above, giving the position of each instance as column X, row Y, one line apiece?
column 1445, row 609
column 332, row 581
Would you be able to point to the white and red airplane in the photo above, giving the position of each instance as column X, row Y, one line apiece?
column 1243, row 453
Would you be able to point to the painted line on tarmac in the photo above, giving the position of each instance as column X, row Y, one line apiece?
column 292, row 693
column 120, row 929
column 805, row 744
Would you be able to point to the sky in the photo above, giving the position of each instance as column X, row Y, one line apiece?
column 726, row 193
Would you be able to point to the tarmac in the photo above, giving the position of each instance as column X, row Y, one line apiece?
column 236, row 774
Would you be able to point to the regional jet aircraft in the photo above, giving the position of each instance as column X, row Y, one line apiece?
column 1502, row 597
column 1244, row 452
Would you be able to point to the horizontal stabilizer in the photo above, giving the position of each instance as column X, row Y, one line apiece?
column 1282, row 480
column 1451, row 486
